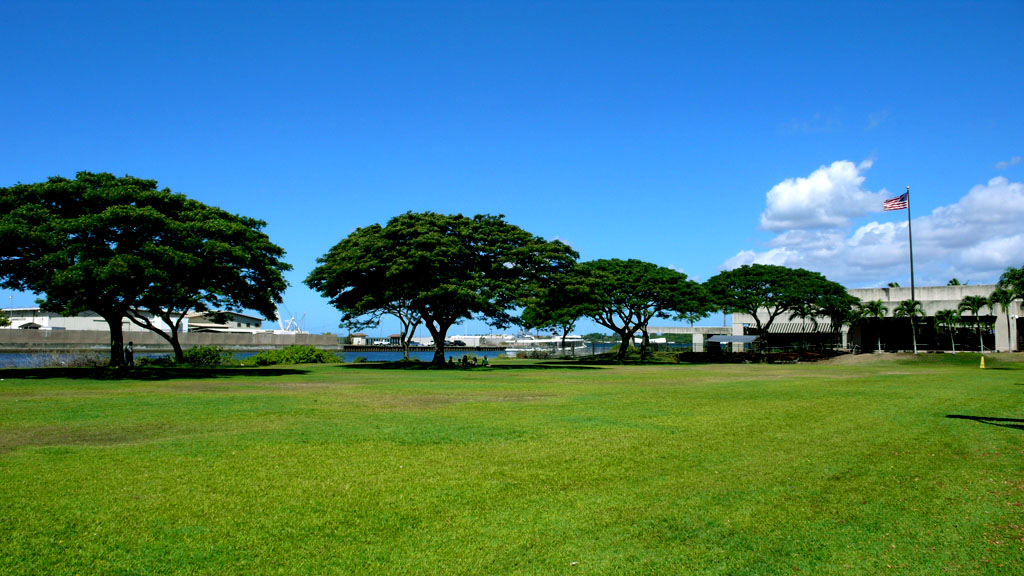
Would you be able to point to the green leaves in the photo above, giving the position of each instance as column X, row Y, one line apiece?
column 115, row 245
column 775, row 290
column 443, row 267
column 624, row 295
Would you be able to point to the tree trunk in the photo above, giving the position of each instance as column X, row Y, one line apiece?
column 1009, row 343
column 626, row 341
column 645, row 344
column 116, row 340
column 439, row 335
column 172, row 338
column 913, row 333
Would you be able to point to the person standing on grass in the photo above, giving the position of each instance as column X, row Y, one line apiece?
column 129, row 354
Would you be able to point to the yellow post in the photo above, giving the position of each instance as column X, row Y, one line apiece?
column 982, row 362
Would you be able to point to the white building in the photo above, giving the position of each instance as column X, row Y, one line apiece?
column 38, row 319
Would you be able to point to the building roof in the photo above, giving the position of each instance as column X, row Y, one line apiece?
column 726, row 338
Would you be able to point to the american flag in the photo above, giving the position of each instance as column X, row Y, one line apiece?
column 900, row 202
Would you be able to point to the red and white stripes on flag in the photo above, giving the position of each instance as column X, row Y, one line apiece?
column 900, row 202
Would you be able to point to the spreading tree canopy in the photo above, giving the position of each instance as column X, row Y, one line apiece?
column 558, row 304
column 119, row 245
column 206, row 259
column 778, row 290
column 444, row 268
column 625, row 295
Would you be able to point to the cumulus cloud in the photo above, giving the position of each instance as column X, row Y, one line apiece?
column 827, row 198
column 975, row 238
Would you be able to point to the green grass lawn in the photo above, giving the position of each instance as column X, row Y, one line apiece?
column 862, row 466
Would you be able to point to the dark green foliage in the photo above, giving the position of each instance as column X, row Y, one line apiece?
column 294, row 355
column 1013, row 280
column 443, row 268
column 206, row 356
column 910, row 309
column 624, row 295
column 558, row 303
column 974, row 304
column 161, row 361
column 123, row 248
column 779, row 290
column 5, row 320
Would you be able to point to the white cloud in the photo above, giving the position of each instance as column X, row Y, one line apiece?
column 827, row 198
column 1006, row 164
column 975, row 238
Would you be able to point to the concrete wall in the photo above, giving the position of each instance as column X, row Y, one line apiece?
column 149, row 342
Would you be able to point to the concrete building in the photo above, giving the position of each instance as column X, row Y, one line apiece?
column 224, row 322
column 892, row 333
column 895, row 333
column 38, row 319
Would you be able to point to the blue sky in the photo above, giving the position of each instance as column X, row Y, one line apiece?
column 692, row 135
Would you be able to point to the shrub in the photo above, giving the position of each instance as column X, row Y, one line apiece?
column 161, row 361
column 294, row 355
column 206, row 356
column 359, row 360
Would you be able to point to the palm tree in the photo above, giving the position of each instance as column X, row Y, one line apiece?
column 949, row 319
column 1013, row 280
column 911, row 309
column 874, row 309
column 1004, row 298
column 974, row 304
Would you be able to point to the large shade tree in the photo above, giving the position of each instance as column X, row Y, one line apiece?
column 445, row 268
column 625, row 295
column 766, row 292
column 118, row 245
column 207, row 259
column 558, row 304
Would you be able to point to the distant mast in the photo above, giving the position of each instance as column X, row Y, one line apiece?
column 910, row 236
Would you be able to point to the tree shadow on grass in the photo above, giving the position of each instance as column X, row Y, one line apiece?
column 144, row 373
column 456, row 368
column 1015, row 423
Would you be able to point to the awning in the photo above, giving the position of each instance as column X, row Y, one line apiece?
column 728, row 338
column 800, row 328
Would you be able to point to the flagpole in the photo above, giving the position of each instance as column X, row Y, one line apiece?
column 910, row 235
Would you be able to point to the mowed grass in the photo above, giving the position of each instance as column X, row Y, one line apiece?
column 523, row 468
